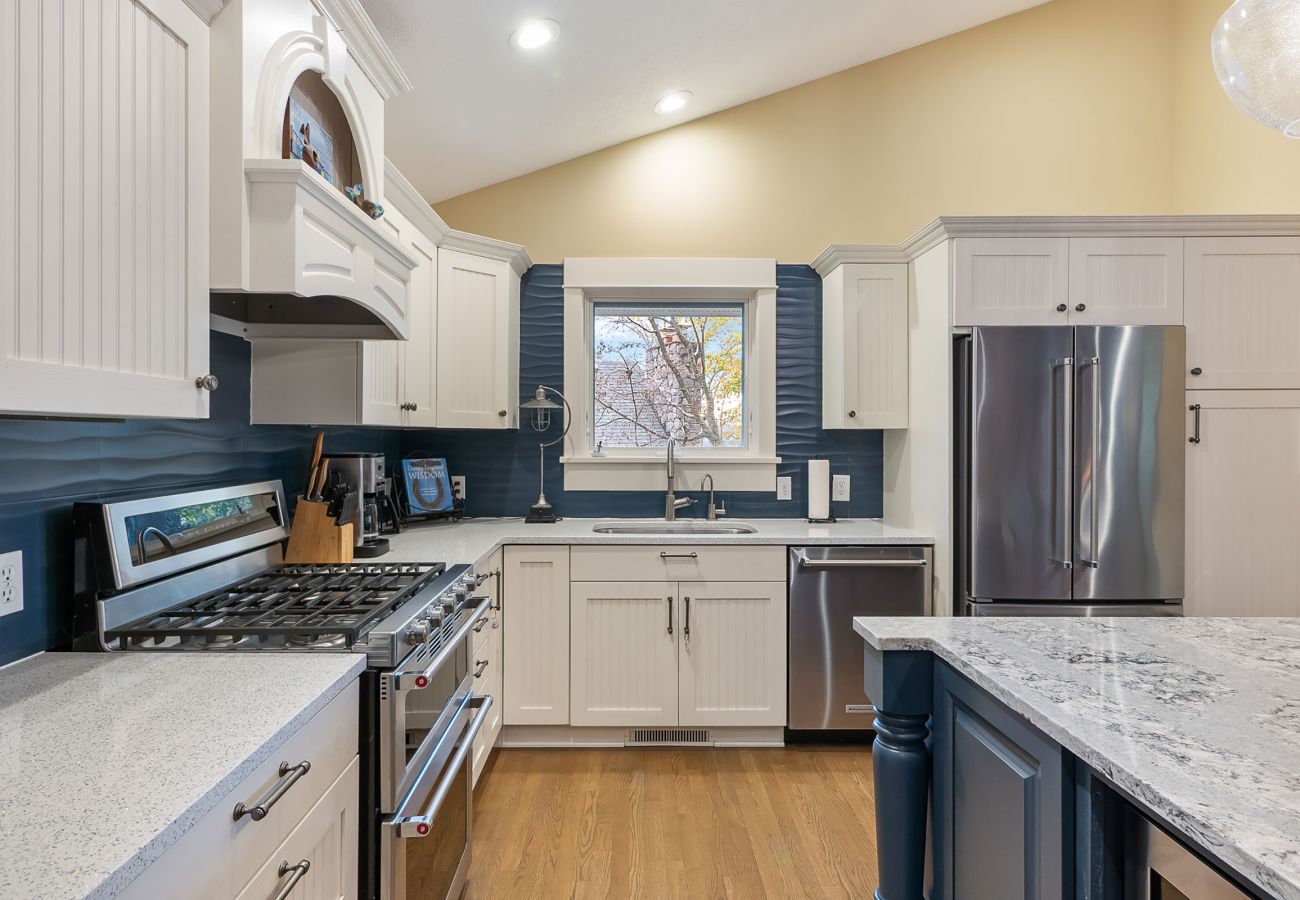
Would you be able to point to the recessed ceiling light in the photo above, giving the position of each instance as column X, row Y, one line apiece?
column 534, row 33
column 670, row 103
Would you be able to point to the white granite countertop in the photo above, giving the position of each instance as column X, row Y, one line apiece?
column 473, row 540
column 1198, row 718
column 106, row 759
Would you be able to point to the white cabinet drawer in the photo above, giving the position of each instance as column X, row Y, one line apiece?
column 219, row 854
column 326, row 840
column 684, row 562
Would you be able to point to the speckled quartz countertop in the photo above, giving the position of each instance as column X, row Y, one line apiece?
column 1199, row 718
column 106, row 759
column 473, row 540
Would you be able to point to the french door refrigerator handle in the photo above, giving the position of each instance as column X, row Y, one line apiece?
column 1066, row 546
column 1094, row 469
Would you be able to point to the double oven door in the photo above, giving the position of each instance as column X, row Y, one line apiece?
column 428, row 719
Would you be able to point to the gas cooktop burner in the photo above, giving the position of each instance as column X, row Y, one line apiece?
column 291, row 606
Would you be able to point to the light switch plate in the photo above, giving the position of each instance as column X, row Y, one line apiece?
column 458, row 486
column 784, row 490
column 840, row 488
column 11, row 582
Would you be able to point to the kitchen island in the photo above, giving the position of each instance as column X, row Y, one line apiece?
column 1042, row 739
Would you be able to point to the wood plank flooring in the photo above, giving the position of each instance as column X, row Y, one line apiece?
column 675, row 823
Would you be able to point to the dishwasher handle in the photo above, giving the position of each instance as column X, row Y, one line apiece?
column 910, row 563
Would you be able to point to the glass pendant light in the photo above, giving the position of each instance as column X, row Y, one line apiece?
column 1256, row 50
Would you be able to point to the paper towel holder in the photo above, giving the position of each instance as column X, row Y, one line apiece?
column 830, row 506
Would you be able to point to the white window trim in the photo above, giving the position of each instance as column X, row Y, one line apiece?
column 751, row 281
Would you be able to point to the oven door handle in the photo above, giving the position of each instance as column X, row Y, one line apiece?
column 420, row 825
column 407, row 680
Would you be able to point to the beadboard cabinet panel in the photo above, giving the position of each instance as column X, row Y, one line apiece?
column 1243, row 503
column 478, row 342
column 865, row 337
column 418, row 367
column 1126, row 281
column 535, row 621
column 1242, row 310
column 105, row 305
column 1011, row 281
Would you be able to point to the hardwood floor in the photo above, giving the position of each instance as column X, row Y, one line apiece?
column 675, row 823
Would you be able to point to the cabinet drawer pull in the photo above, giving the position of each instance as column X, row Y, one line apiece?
column 299, row 872
column 1195, row 409
column 686, row 629
column 670, row 613
column 289, row 776
column 481, row 624
column 691, row 555
column 478, row 669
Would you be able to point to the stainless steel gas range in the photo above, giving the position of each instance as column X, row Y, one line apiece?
column 203, row 571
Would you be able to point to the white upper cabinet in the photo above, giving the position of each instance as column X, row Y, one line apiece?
column 1243, row 503
column 478, row 341
column 1242, row 309
column 865, row 338
column 1011, row 281
column 1126, row 281
column 105, row 246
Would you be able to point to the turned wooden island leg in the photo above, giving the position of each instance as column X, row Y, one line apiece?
column 901, row 765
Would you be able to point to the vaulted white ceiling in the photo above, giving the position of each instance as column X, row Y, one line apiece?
column 482, row 112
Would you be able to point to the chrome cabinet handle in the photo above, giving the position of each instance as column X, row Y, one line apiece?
column 420, row 678
column 299, row 872
column 420, row 825
column 480, row 625
column 289, row 776
column 1066, row 497
column 482, row 665
column 1195, row 409
column 1095, row 466
column 670, row 613
column 691, row 555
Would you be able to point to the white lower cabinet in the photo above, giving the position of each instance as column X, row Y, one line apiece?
column 487, row 662
column 648, row 654
column 623, row 647
column 732, row 667
column 318, row 861
column 535, row 622
column 1243, row 503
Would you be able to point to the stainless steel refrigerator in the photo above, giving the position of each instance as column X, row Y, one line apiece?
column 1069, row 470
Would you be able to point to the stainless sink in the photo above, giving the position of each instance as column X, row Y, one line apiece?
column 681, row 526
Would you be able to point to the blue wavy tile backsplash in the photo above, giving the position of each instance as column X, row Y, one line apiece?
column 46, row 465
column 501, row 467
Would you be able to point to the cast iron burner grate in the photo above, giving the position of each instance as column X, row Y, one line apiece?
column 289, row 607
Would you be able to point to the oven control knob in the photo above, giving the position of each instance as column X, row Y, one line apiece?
column 419, row 631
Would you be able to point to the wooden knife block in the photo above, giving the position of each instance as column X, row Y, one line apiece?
column 316, row 538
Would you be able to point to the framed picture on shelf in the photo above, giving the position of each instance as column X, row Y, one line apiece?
column 309, row 141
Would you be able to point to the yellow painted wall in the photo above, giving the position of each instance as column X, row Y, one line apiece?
column 1075, row 107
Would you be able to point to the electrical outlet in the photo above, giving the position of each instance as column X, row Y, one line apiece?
column 784, row 489
column 458, row 486
column 840, row 488
column 11, row 582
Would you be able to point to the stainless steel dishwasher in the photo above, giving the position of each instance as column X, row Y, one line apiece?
column 828, row 587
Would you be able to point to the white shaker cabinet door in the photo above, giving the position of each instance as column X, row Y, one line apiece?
column 732, row 667
column 419, row 354
column 1243, row 503
column 1242, row 309
column 865, row 338
column 104, row 306
column 535, row 624
column 478, row 342
column 1011, row 281
column 1126, row 281
column 624, row 653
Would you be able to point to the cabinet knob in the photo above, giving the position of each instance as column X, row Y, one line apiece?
column 1080, row 307
column 853, row 414
column 415, row 407
column 1196, row 371
column 502, row 413
column 207, row 382
column 1061, row 307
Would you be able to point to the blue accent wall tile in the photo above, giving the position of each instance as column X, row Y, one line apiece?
column 47, row 465
column 501, row 467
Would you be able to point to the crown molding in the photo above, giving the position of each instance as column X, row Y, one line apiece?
column 411, row 203
column 206, row 9
column 365, row 45
column 842, row 254
column 491, row 248
column 949, row 227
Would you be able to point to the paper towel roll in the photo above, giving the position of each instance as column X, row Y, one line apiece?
column 819, row 489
